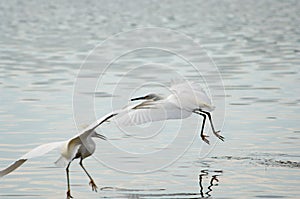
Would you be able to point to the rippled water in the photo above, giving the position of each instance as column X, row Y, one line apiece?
column 255, row 45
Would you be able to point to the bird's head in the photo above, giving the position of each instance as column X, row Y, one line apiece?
column 150, row 96
column 97, row 135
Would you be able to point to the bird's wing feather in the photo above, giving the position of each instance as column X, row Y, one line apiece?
column 188, row 90
column 184, row 86
column 149, row 112
column 85, row 132
column 12, row 167
column 61, row 161
column 42, row 150
column 36, row 152
column 73, row 145
column 69, row 151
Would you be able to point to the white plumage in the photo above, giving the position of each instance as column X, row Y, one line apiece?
column 80, row 146
column 186, row 98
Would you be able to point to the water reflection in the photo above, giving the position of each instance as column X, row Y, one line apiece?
column 214, row 181
column 207, row 180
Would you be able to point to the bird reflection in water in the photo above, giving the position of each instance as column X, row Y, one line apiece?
column 214, row 181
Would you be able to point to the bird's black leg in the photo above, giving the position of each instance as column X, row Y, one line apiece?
column 216, row 133
column 203, row 137
column 92, row 183
column 68, row 181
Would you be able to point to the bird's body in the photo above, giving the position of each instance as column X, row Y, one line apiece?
column 186, row 98
column 80, row 146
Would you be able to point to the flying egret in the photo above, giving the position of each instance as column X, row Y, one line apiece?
column 81, row 146
column 186, row 98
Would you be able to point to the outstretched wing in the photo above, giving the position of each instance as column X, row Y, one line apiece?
column 45, row 148
column 42, row 150
column 12, row 167
column 191, row 95
column 85, row 132
column 180, row 86
column 150, row 111
column 36, row 152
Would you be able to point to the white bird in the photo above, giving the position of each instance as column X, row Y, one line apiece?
column 81, row 146
column 186, row 98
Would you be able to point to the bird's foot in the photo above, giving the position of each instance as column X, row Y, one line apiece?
column 203, row 137
column 69, row 194
column 216, row 133
column 93, row 185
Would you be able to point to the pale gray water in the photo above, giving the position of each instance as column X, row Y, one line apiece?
column 256, row 46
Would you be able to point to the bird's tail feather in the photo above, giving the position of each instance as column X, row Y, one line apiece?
column 61, row 162
column 12, row 167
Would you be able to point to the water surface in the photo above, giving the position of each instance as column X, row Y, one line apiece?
column 255, row 45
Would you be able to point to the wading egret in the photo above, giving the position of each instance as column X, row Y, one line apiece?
column 186, row 98
column 80, row 146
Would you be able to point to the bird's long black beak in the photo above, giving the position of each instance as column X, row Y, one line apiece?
column 138, row 98
column 100, row 136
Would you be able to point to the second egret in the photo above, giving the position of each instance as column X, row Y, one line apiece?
column 186, row 98
column 80, row 146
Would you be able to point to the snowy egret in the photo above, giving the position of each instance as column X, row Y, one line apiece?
column 186, row 98
column 80, row 146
